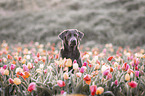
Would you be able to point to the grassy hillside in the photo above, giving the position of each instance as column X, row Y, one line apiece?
column 120, row 22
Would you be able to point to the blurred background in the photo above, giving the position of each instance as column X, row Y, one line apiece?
column 120, row 22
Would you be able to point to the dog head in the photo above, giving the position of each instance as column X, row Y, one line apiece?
column 71, row 37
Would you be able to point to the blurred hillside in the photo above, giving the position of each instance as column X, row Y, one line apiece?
column 121, row 22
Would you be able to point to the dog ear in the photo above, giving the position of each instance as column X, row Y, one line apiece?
column 81, row 34
column 62, row 34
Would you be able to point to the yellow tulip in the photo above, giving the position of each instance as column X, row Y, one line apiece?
column 68, row 63
column 127, row 77
column 65, row 76
column 6, row 72
column 17, row 81
column 100, row 90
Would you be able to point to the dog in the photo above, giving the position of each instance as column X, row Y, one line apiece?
column 70, row 40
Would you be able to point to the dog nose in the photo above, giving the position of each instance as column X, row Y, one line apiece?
column 73, row 41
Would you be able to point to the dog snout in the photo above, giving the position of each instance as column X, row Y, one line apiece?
column 73, row 42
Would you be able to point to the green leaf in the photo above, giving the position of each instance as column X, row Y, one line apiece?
column 78, row 87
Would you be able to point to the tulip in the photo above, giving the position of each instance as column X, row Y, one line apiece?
column 62, row 92
column 5, row 66
column 110, row 58
column 17, row 81
column 19, row 70
column 136, row 68
column 13, row 66
column 116, row 82
column 100, row 90
column 75, row 66
column 106, row 72
column 85, row 64
column 137, row 73
column 11, row 81
column 29, row 65
column 6, row 72
column 26, row 74
column 31, row 87
column 87, row 78
column 65, row 76
column 23, row 61
column 61, row 83
column 25, row 68
column 125, row 67
column 78, row 74
column 132, row 84
column 116, row 64
column 19, row 58
column 1, row 60
column 83, row 68
column 68, row 63
column 111, row 69
column 127, row 77
column 36, row 61
column 45, row 71
column 93, row 89
column 109, row 76
column 1, row 70
column 9, row 56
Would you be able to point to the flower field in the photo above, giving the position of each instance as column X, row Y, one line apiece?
column 37, row 70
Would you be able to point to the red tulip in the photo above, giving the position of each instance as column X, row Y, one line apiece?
column 110, row 58
column 11, row 80
column 87, row 78
column 93, row 89
column 0, row 60
column 132, row 84
column 61, row 83
column 31, row 87
column 19, row 58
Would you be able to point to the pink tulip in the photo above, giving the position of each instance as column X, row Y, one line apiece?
column 31, row 87
column 82, row 69
column 125, row 67
column 85, row 64
column 5, row 66
column 109, row 76
column 13, row 66
column 137, row 73
column 61, row 83
column 106, row 72
column 75, row 61
column 25, row 68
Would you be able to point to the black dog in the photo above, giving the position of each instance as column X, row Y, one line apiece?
column 71, row 38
